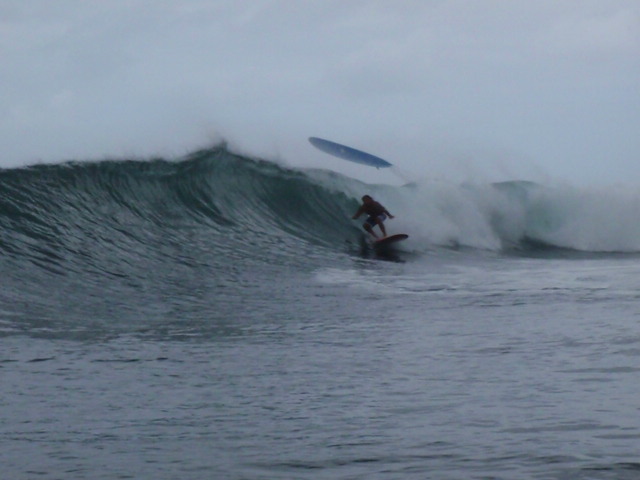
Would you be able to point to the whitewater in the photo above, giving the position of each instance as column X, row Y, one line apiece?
column 220, row 316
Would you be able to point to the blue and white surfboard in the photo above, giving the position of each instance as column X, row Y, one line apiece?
column 348, row 153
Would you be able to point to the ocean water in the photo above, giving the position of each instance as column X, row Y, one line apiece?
column 223, row 317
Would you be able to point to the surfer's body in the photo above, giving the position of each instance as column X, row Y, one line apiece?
column 377, row 214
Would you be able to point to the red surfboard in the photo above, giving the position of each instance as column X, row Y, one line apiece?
column 386, row 241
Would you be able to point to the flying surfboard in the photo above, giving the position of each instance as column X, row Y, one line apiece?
column 348, row 153
column 385, row 242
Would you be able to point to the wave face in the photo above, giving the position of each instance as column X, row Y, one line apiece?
column 65, row 217
column 85, row 237
column 218, row 220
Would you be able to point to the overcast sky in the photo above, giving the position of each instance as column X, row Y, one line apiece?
column 460, row 89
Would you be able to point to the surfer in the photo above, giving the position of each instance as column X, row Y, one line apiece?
column 377, row 215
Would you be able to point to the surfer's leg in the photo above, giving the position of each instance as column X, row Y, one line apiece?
column 381, row 225
column 368, row 228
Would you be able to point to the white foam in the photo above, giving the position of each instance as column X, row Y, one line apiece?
column 494, row 216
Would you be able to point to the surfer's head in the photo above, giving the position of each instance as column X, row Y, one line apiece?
column 367, row 199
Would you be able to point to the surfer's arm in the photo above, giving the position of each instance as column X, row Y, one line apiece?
column 386, row 212
column 358, row 213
